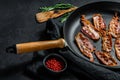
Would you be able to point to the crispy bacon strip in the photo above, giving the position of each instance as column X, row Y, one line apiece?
column 88, row 29
column 85, row 46
column 106, row 58
column 106, row 41
column 114, row 26
column 99, row 23
column 117, row 48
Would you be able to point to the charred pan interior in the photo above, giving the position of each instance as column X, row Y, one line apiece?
column 73, row 25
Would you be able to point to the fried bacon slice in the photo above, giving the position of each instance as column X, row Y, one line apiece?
column 114, row 26
column 99, row 23
column 106, row 41
column 106, row 58
column 85, row 46
column 117, row 48
column 88, row 29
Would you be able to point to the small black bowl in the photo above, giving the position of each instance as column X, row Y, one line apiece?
column 58, row 58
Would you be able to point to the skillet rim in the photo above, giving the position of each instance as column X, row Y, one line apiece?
column 69, row 47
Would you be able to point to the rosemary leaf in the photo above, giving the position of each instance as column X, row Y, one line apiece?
column 63, row 6
column 44, row 9
column 56, row 7
column 59, row 6
column 64, row 17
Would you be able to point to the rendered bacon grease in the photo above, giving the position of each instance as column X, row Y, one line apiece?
column 85, row 46
column 114, row 26
column 117, row 48
column 88, row 29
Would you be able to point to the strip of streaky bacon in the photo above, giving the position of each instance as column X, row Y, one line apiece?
column 88, row 29
column 114, row 26
column 106, row 41
column 106, row 58
column 117, row 48
column 85, row 46
column 99, row 23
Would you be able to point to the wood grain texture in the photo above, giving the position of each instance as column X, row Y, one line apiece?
column 44, row 16
column 39, row 45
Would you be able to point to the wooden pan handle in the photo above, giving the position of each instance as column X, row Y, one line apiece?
column 40, row 45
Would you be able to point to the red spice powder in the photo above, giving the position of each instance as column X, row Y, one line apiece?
column 54, row 64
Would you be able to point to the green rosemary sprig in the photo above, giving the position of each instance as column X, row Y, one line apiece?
column 64, row 17
column 56, row 7
column 59, row 6
column 44, row 9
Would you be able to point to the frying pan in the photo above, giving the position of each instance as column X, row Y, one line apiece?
column 72, row 27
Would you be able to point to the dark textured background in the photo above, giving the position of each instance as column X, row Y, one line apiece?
column 18, row 24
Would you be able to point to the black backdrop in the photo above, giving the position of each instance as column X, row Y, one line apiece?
column 18, row 24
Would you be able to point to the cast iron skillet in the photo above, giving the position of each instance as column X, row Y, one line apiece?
column 72, row 27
